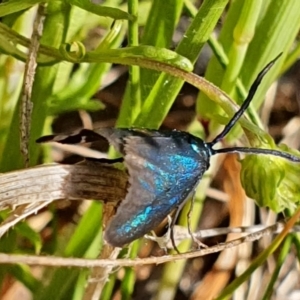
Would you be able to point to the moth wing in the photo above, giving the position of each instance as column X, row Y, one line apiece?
column 162, row 176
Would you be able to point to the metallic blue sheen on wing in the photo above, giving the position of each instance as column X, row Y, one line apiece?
column 164, row 168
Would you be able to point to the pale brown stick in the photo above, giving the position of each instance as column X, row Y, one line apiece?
column 30, row 67
column 54, row 182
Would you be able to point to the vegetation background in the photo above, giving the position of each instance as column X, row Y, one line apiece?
column 81, row 79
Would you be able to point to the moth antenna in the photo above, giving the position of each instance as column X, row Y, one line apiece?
column 239, row 113
column 246, row 103
column 282, row 154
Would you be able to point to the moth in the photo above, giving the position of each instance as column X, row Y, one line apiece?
column 164, row 169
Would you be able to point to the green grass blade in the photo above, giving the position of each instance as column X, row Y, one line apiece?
column 166, row 23
column 166, row 88
column 14, row 6
column 86, row 232
column 275, row 33
column 131, row 103
column 101, row 10
column 260, row 259
column 284, row 251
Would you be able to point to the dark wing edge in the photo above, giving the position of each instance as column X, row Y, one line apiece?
column 83, row 136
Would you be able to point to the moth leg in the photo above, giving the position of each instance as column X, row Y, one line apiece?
column 173, row 224
column 165, row 239
column 162, row 241
column 105, row 160
column 189, row 215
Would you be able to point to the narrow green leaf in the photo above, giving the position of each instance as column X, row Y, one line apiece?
column 63, row 280
column 85, row 81
column 167, row 87
column 131, row 103
column 275, row 33
column 259, row 260
column 27, row 232
column 24, row 274
column 128, row 281
column 103, row 11
column 86, row 231
column 242, row 36
column 55, row 28
column 160, row 38
column 284, row 252
column 134, row 55
column 13, row 6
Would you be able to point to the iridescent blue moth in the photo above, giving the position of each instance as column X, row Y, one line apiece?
column 164, row 167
